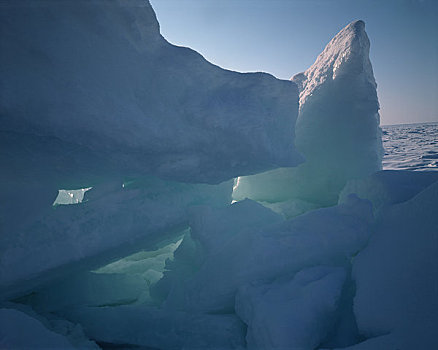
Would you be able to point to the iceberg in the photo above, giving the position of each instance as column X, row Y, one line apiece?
column 337, row 128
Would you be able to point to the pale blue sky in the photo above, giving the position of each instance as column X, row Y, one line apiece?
column 284, row 37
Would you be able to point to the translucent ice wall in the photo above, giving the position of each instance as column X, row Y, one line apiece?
column 337, row 128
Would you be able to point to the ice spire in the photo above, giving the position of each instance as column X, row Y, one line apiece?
column 347, row 54
column 337, row 128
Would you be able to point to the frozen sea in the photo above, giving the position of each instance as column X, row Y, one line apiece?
column 410, row 146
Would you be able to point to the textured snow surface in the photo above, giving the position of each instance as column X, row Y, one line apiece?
column 337, row 128
column 91, row 89
column 411, row 146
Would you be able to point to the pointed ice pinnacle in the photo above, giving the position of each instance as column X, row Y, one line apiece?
column 346, row 54
column 337, row 128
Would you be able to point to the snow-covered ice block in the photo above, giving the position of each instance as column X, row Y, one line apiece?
column 389, row 187
column 91, row 89
column 337, row 128
column 211, row 231
column 292, row 313
column 111, row 223
column 324, row 236
column 396, row 275
column 161, row 329
column 20, row 331
column 215, row 227
column 338, row 124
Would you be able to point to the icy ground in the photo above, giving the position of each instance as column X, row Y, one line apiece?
column 118, row 153
column 411, row 146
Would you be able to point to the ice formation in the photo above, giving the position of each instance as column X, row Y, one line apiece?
column 296, row 313
column 112, row 222
column 322, row 237
column 91, row 95
column 106, row 95
column 154, row 255
column 337, row 128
